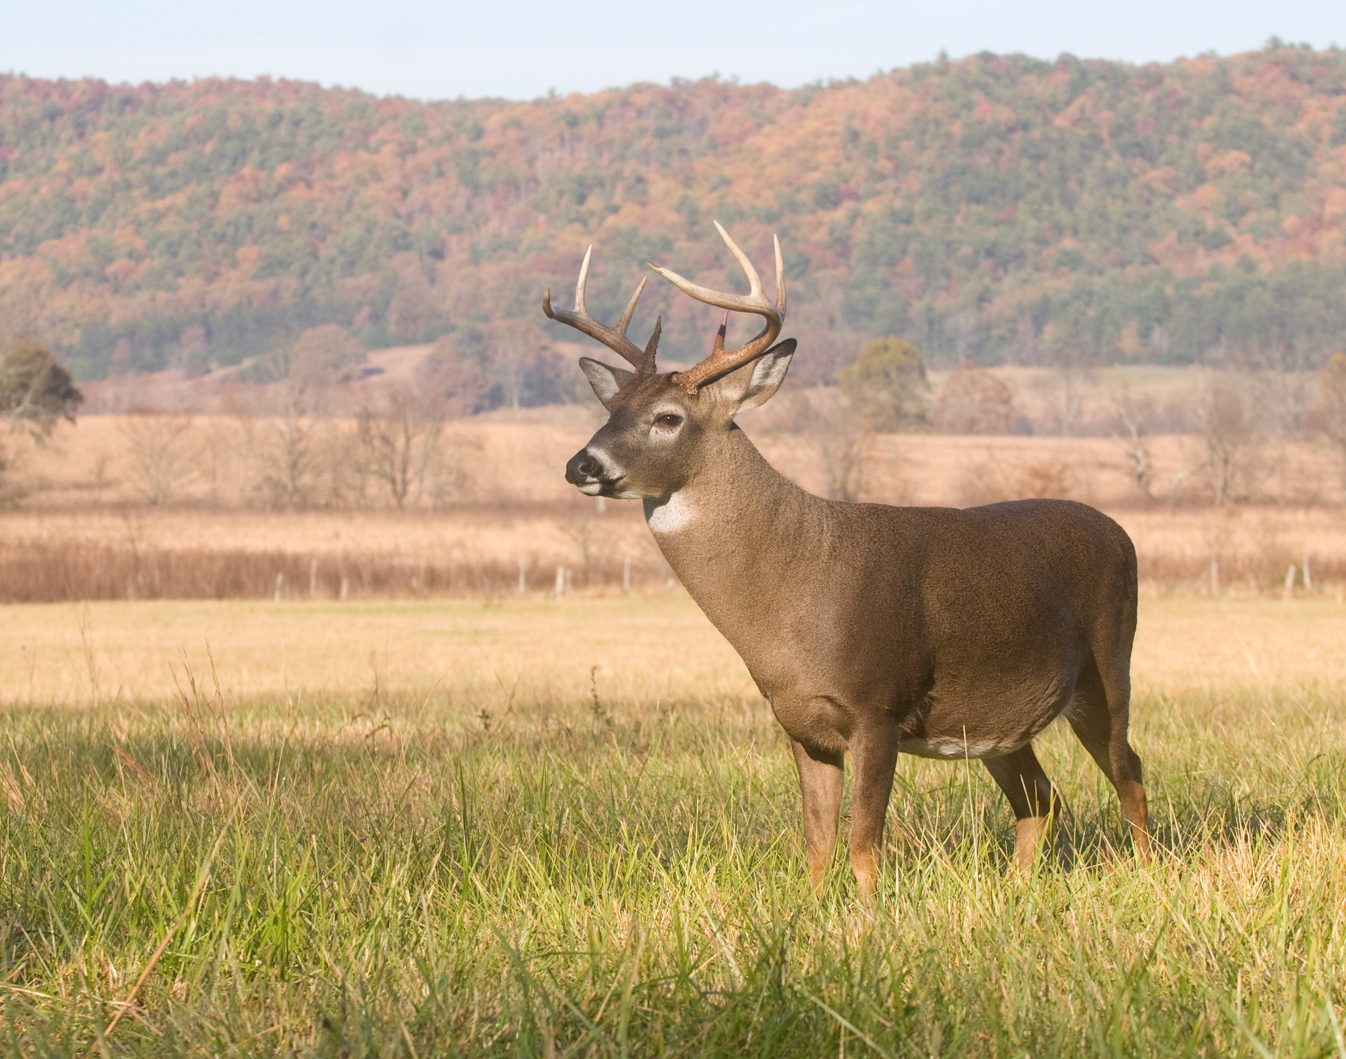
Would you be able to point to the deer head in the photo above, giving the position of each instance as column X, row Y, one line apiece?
column 658, row 424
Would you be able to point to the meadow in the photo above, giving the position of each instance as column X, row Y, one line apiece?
column 524, row 826
column 494, row 508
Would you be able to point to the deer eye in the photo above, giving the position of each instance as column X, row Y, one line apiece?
column 668, row 421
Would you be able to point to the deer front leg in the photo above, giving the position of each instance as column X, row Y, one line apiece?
column 873, row 759
column 820, row 777
column 1033, row 799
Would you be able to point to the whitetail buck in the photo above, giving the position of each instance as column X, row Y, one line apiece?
column 871, row 630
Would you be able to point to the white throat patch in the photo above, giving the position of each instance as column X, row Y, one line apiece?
column 673, row 514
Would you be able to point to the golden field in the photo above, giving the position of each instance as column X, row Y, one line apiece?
column 494, row 502
column 497, row 655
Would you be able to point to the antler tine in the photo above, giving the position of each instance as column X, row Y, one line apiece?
column 583, row 281
column 752, row 302
column 612, row 337
column 721, row 362
column 780, row 276
column 630, row 309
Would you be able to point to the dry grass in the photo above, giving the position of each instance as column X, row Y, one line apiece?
column 208, row 553
column 646, row 649
column 491, row 653
column 84, row 534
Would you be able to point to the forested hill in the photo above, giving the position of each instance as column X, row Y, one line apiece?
column 998, row 208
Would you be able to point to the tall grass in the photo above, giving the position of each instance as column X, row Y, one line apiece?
column 480, row 550
column 76, row 570
column 85, row 532
column 558, row 868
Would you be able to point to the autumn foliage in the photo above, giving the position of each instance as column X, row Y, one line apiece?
column 999, row 208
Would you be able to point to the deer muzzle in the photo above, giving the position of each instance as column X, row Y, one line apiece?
column 588, row 472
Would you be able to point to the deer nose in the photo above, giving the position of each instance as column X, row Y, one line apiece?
column 583, row 467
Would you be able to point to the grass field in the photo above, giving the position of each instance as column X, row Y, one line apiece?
column 85, row 536
column 539, row 828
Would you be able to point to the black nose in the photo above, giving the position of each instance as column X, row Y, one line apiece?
column 583, row 468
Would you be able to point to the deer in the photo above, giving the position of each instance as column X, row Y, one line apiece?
column 871, row 630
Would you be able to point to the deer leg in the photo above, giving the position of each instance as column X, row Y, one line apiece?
column 820, row 780
column 873, row 759
column 1031, row 796
column 1099, row 716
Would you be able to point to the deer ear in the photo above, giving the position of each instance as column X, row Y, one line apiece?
column 604, row 379
column 757, row 381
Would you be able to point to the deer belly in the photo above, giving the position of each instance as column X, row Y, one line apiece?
column 986, row 722
column 954, row 749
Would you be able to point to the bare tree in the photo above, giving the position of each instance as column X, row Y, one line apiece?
column 1328, row 416
column 1134, row 416
column 398, row 442
column 286, row 454
column 1069, row 394
column 1228, row 444
column 161, row 456
column 829, row 418
column 288, row 447
column 519, row 363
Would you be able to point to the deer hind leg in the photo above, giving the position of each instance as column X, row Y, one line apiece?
column 820, row 783
column 1099, row 716
column 873, row 760
column 1031, row 796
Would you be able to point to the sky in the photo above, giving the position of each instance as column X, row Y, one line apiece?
column 523, row 49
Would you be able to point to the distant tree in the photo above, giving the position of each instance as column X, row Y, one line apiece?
column 416, row 312
column 518, row 362
column 974, row 401
column 284, row 455
column 193, row 354
column 1329, row 416
column 886, row 383
column 1229, row 457
column 398, row 442
column 824, row 418
column 36, row 393
column 1134, row 416
column 459, row 386
column 1069, row 390
column 162, row 454
column 322, row 355
column 286, row 449
column 400, row 437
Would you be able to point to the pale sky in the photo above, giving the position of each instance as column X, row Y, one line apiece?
column 522, row 49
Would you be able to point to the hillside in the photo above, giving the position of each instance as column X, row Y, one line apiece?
column 998, row 208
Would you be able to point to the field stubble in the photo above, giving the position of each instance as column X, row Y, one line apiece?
column 86, row 536
column 539, row 827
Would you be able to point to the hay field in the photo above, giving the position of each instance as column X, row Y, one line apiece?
column 531, row 827
column 502, row 507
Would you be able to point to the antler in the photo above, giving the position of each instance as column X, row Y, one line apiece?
column 722, row 362
column 612, row 337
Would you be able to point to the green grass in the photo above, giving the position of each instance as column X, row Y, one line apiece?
column 549, row 868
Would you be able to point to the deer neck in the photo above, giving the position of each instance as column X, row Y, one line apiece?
column 729, row 530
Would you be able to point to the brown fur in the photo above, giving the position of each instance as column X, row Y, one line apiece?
column 872, row 629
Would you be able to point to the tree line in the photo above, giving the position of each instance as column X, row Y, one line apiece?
column 997, row 209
